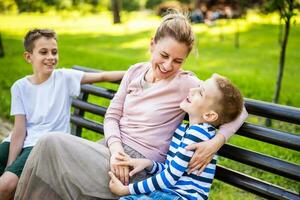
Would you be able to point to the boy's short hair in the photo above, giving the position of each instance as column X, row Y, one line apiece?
column 35, row 34
column 231, row 103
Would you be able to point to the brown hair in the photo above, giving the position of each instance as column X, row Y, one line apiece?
column 231, row 102
column 35, row 34
column 177, row 26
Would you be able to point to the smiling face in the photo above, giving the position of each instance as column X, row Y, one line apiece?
column 44, row 56
column 202, row 101
column 167, row 57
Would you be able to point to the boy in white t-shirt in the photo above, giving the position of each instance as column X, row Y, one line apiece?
column 40, row 103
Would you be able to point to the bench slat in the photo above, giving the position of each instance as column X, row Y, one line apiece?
column 272, row 136
column 261, row 161
column 88, row 124
column 253, row 185
column 274, row 111
column 89, row 107
column 100, row 92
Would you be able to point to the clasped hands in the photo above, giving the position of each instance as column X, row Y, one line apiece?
column 121, row 163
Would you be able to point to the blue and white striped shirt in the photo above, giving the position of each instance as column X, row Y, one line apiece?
column 172, row 176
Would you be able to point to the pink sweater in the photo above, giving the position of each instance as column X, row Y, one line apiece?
column 145, row 119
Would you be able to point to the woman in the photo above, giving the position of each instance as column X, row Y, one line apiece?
column 140, row 121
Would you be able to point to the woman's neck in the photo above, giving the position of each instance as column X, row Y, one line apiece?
column 149, row 77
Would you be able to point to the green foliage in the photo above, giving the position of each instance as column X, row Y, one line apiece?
column 31, row 6
column 285, row 7
column 8, row 6
column 150, row 4
column 130, row 5
column 185, row 1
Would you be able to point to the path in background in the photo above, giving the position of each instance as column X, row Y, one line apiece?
column 5, row 128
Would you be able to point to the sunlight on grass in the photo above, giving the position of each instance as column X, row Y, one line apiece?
column 73, row 23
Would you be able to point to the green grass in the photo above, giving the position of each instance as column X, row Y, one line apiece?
column 93, row 41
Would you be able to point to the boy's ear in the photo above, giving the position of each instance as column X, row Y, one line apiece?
column 210, row 116
column 27, row 56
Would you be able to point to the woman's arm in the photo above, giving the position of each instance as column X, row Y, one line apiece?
column 90, row 77
column 17, row 138
column 228, row 129
column 204, row 151
column 112, row 129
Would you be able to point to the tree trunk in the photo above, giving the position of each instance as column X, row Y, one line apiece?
column 237, row 35
column 280, row 27
column 1, row 48
column 282, row 60
column 281, row 64
column 116, row 8
column 197, row 4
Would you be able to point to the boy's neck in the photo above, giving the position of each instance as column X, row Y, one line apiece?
column 39, row 78
column 196, row 120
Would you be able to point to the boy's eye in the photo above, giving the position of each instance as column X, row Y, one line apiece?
column 54, row 52
column 43, row 52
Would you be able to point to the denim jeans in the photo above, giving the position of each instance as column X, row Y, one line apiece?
column 158, row 195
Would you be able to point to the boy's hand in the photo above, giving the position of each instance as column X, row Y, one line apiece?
column 138, row 164
column 116, row 186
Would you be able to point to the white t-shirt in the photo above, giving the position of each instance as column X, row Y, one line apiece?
column 46, row 106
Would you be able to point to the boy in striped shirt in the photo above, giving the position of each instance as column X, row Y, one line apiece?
column 214, row 102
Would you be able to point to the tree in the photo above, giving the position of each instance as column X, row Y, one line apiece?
column 116, row 8
column 286, row 10
column 1, row 48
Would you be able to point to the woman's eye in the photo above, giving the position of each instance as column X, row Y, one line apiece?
column 164, row 56
column 178, row 62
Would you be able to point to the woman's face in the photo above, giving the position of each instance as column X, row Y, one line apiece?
column 167, row 57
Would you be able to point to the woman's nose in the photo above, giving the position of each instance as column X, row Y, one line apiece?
column 168, row 65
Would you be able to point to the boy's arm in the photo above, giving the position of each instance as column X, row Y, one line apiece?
column 177, row 167
column 17, row 138
column 90, row 77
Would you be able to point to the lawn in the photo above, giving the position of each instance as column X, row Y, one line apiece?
column 92, row 40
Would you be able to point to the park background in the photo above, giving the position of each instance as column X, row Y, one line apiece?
column 245, row 49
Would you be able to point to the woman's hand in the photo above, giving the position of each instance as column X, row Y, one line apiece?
column 138, row 164
column 204, row 152
column 121, row 171
column 116, row 186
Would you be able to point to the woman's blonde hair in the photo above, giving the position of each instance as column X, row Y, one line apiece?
column 177, row 26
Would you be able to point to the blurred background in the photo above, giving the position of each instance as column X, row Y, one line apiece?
column 254, row 43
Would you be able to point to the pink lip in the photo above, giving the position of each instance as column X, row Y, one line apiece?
column 160, row 70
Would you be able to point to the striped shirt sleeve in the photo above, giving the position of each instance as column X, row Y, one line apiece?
column 157, row 167
column 178, row 165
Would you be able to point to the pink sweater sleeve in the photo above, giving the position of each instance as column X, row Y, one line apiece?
column 230, row 128
column 115, row 111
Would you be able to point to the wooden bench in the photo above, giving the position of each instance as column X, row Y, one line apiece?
column 258, row 160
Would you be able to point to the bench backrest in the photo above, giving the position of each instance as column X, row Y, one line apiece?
column 260, row 133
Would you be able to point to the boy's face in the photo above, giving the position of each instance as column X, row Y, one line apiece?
column 44, row 56
column 203, row 99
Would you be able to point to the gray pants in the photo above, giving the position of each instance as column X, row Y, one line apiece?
column 67, row 167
